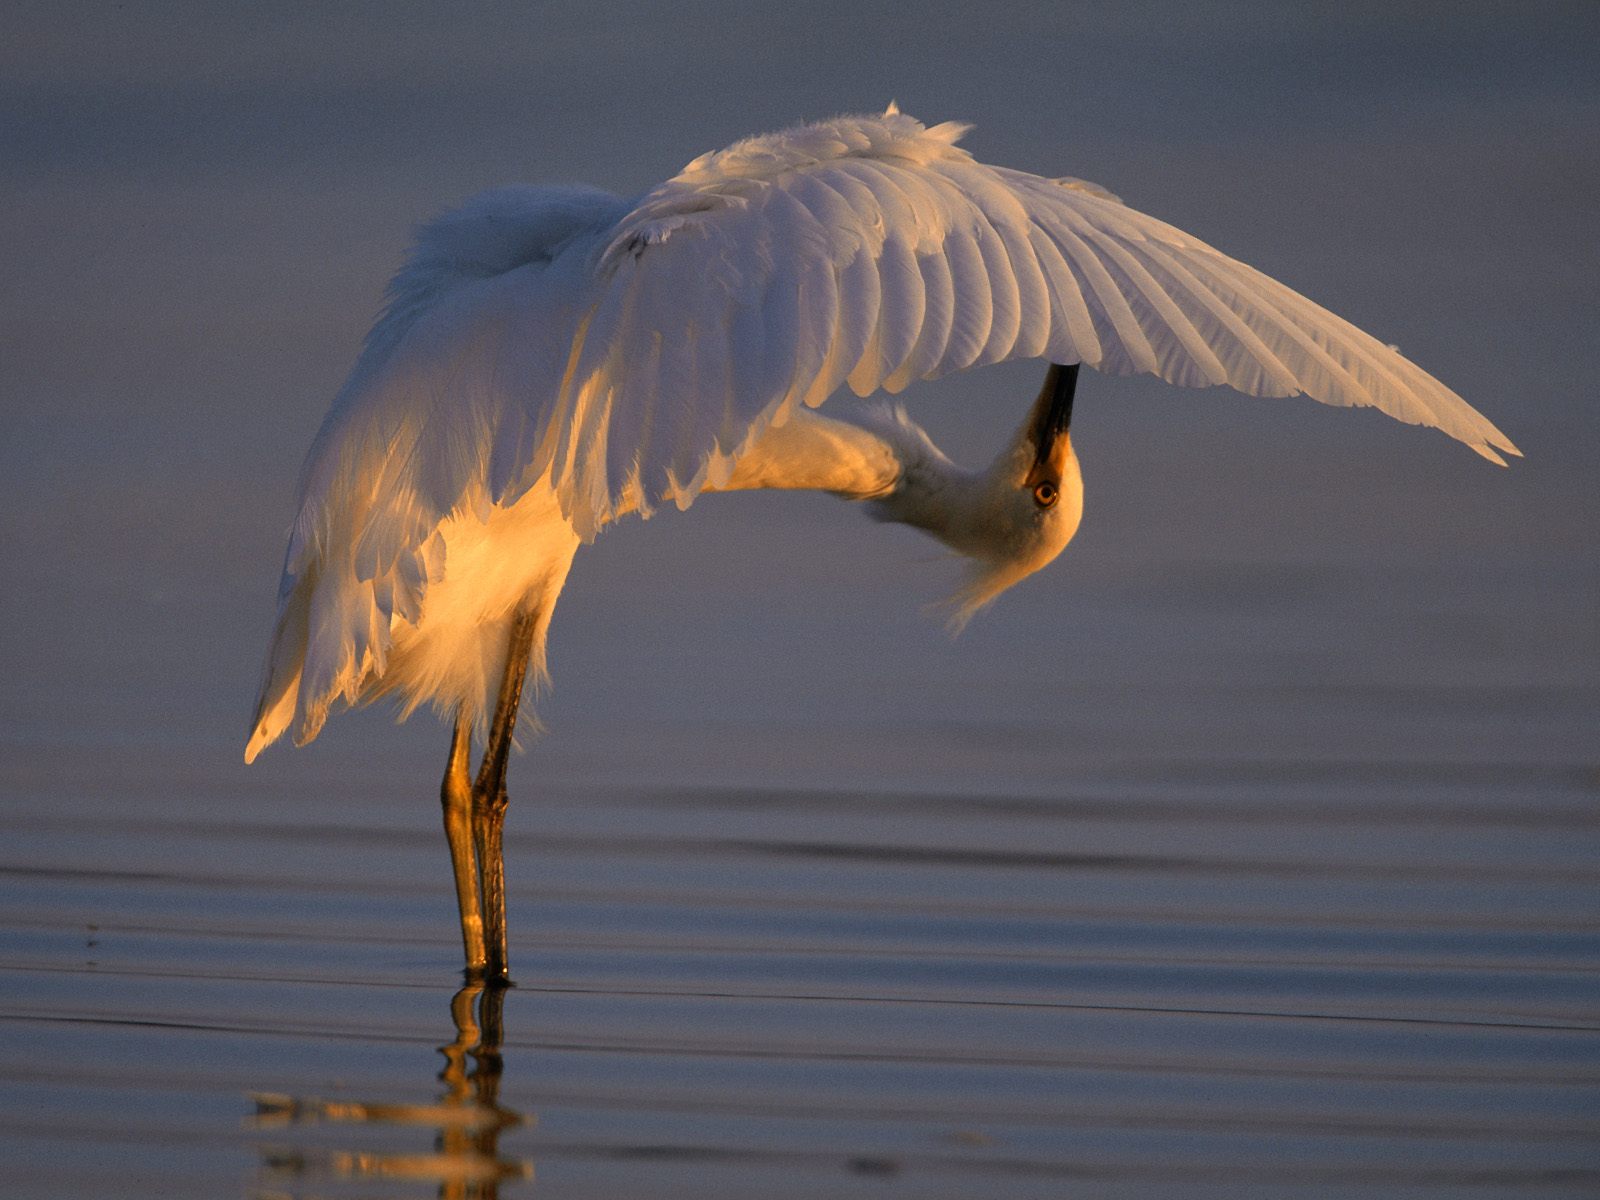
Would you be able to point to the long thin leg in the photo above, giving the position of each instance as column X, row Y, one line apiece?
column 489, row 799
column 455, row 793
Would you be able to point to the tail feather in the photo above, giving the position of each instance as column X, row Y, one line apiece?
column 280, row 684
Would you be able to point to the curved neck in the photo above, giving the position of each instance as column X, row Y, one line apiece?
column 811, row 451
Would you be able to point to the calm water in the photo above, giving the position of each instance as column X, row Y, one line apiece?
column 1179, row 982
column 1251, row 850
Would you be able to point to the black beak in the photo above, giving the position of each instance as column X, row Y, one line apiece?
column 1053, row 410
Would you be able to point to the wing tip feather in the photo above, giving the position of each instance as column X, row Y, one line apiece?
column 1494, row 450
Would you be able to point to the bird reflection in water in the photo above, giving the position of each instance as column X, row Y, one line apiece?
column 466, row 1163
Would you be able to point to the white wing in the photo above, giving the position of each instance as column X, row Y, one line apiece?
column 481, row 316
column 873, row 251
column 634, row 351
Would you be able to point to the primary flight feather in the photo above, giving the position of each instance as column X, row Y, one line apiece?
column 551, row 359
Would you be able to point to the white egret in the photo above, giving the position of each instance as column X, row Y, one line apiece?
column 551, row 359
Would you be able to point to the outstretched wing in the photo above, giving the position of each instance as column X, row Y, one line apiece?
column 629, row 354
column 874, row 251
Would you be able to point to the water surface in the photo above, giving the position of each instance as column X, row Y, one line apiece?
column 1250, row 850
column 1195, row 982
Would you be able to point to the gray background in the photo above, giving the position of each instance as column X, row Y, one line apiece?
column 203, row 203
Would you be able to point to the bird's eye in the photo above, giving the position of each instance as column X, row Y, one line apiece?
column 1045, row 494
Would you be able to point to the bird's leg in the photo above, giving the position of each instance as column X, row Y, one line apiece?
column 489, row 799
column 456, row 795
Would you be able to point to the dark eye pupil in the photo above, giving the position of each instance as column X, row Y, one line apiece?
column 1045, row 493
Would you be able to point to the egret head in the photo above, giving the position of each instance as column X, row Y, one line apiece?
column 1027, row 504
column 1009, row 520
